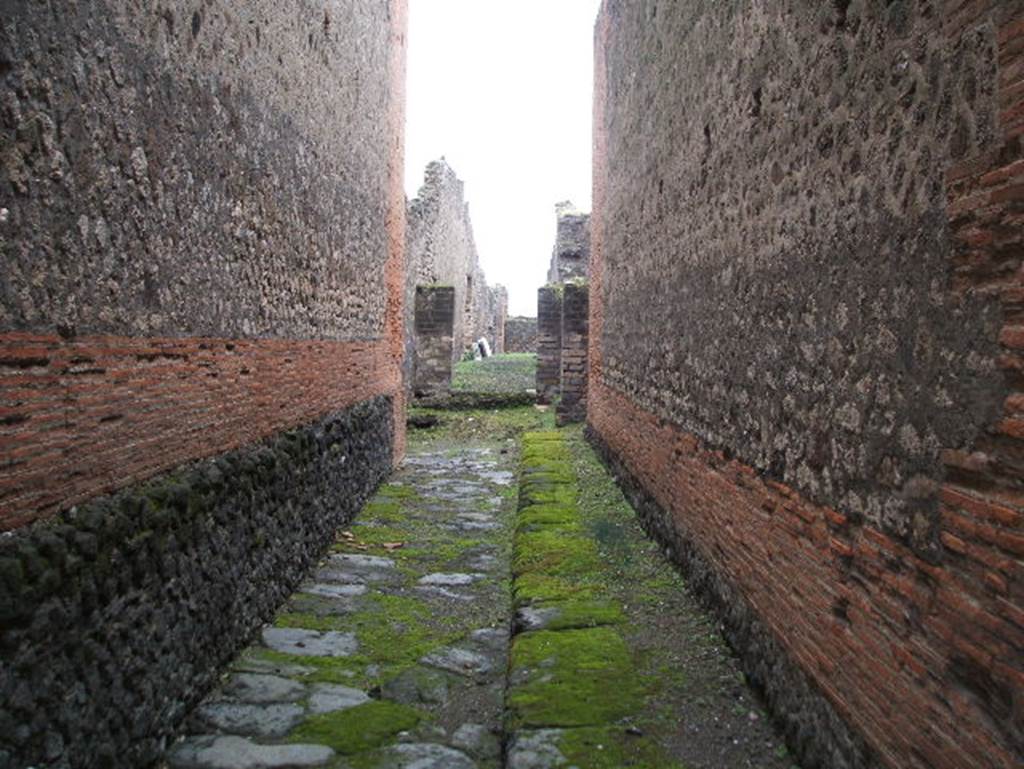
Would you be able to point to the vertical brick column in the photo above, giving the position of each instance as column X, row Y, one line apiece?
column 549, row 342
column 434, row 326
column 572, row 405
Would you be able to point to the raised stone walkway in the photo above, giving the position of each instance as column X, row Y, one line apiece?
column 407, row 649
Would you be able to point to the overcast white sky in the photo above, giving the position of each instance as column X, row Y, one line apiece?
column 503, row 91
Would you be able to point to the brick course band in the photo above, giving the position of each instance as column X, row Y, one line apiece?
column 117, row 616
column 87, row 416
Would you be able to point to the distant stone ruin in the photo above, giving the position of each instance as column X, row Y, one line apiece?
column 570, row 257
column 440, row 251
column 562, row 318
column 521, row 334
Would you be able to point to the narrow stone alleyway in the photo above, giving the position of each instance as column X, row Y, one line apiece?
column 495, row 604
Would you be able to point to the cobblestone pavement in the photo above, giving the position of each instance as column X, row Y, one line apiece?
column 406, row 649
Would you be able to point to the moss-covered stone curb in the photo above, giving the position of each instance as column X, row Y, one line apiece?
column 573, row 685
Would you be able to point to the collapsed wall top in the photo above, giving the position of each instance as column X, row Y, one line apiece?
column 570, row 256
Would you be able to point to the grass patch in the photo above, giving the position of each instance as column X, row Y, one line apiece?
column 481, row 424
column 511, row 372
column 397, row 491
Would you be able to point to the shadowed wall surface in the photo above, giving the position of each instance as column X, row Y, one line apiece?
column 804, row 299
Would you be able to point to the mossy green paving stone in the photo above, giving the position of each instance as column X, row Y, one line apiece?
column 531, row 589
column 571, row 678
column 354, row 730
column 548, row 494
column 533, row 517
column 584, row 614
column 555, row 552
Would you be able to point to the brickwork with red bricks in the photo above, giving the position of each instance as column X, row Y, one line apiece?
column 85, row 417
column 923, row 659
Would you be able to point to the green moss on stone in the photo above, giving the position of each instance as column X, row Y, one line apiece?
column 357, row 729
column 572, row 678
column 397, row 491
column 533, row 516
column 554, row 551
column 533, row 589
column 583, row 614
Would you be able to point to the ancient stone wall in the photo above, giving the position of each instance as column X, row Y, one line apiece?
column 497, row 317
column 572, row 387
column 549, row 343
column 804, row 298
column 435, row 312
column 440, row 251
column 202, row 225
column 521, row 334
column 570, row 257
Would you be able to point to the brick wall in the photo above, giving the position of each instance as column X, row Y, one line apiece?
column 572, row 391
column 435, row 322
column 879, row 605
column 549, row 343
column 91, row 415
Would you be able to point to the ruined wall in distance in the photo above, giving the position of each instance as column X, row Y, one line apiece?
column 804, row 350
column 570, row 256
column 434, row 308
column 572, row 388
column 441, row 251
column 521, row 334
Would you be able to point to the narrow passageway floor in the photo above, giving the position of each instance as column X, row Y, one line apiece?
column 465, row 620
